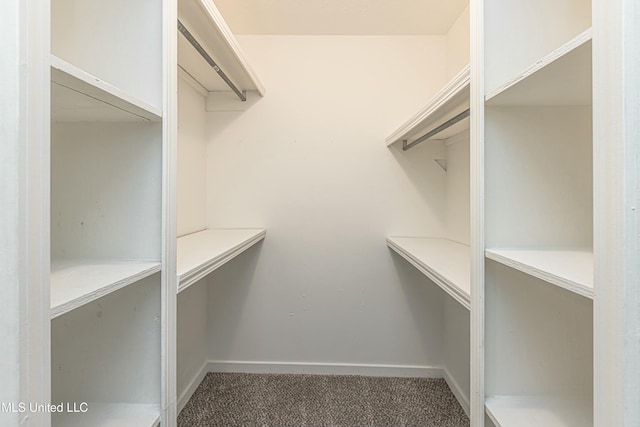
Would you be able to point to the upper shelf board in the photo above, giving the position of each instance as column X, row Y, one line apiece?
column 568, row 269
column 450, row 101
column 77, row 96
column 201, row 253
column 445, row 262
column 203, row 20
column 75, row 283
column 535, row 411
column 563, row 77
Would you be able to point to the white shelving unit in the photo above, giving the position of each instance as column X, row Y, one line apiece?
column 74, row 284
column 106, row 211
column 203, row 20
column 201, row 253
column 533, row 411
column 110, row 415
column 538, row 182
column 443, row 261
column 568, row 269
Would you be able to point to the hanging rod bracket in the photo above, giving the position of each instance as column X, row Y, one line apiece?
column 241, row 94
column 407, row 145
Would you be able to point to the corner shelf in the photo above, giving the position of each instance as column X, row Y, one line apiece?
column 451, row 100
column 445, row 262
column 570, row 269
column 110, row 415
column 80, row 96
column 534, row 411
column 563, row 77
column 201, row 253
column 204, row 21
column 75, row 283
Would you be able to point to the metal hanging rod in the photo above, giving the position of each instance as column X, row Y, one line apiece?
column 241, row 94
column 445, row 125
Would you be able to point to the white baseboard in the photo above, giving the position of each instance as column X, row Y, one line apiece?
column 258, row 367
column 193, row 385
column 462, row 398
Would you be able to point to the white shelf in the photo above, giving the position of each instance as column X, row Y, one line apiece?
column 445, row 262
column 201, row 253
column 450, row 101
column 109, row 415
column 203, row 20
column 536, row 411
column 563, row 77
column 75, row 283
column 571, row 269
column 79, row 96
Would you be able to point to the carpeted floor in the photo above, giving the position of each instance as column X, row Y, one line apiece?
column 320, row 400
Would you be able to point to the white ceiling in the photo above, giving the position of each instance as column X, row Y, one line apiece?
column 341, row 17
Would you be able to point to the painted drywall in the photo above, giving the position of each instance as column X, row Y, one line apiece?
column 191, row 217
column 192, row 334
column 308, row 162
column 337, row 17
column 458, row 43
column 458, row 186
column 192, row 160
column 456, row 346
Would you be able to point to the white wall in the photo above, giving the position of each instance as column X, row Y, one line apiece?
column 192, row 160
column 192, row 334
column 309, row 163
column 191, row 217
column 458, row 189
column 456, row 346
column 458, row 44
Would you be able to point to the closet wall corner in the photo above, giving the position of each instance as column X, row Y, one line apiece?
column 213, row 78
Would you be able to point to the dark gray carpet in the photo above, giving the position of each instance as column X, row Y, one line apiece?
column 321, row 400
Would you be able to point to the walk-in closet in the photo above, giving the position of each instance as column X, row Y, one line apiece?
column 336, row 212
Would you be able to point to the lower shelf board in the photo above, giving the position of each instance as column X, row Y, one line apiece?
column 536, row 411
column 571, row 269
column 444, row 261
column 75, row 283
column 108, row 415
column 201, row 253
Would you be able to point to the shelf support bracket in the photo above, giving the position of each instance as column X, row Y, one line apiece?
column 406, row 145
column 241, row 94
